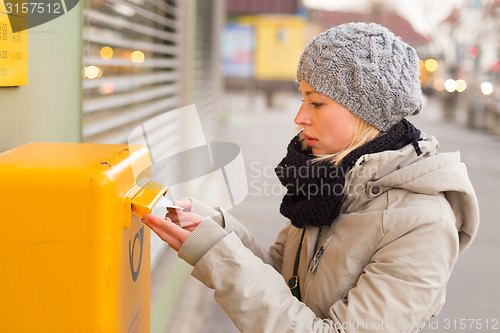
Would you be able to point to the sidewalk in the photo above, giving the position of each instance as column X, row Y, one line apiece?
column 263, row 135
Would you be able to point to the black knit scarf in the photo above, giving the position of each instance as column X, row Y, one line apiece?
column 315, row 190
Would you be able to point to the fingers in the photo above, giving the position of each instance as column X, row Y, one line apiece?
column 184, row 203
column 168, row 231
column 185, row 219
column 188, row 219
column 173, row 212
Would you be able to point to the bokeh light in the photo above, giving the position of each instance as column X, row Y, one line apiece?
column 431, row 65
column 439, row 85
column 486, row 88
column 137, row 56
column 92, row 72
column 461, row 85
column 450, row 85
column 107, row 88
column 106, row 52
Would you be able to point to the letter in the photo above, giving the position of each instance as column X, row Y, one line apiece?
column 254, row 186
column 339, row 326
column 268, row 171
column 359, row 189
column 300, row 190
column 252, row 168
column 434, row 324
column 293, row 324
column 351, row 326
column 310, row 193
column 338, row 189
column 325, row 188
column 333, row 173
column 279, row 190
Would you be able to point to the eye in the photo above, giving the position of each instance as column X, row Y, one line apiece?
column 317, row 105
column 302, row 100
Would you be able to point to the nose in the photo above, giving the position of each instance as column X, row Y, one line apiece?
column 302, row 118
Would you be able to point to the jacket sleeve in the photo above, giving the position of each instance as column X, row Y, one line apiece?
column 273, row 257
column 254, row 295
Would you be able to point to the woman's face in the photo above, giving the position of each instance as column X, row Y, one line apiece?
column 328, row 126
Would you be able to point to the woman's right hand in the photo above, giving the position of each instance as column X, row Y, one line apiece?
column 176, row 226
column 184, row 218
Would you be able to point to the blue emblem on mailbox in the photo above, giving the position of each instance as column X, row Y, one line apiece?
column 131, row 251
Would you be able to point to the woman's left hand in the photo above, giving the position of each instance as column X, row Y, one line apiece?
column 171, row 232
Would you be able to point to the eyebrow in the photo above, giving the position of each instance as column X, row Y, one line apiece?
column 308, row 92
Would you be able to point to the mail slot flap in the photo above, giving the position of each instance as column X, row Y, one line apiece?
column 145, row 195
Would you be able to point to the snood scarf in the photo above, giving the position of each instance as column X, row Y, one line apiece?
column 315, row 190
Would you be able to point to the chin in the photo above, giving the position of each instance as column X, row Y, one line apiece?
column 317, row 152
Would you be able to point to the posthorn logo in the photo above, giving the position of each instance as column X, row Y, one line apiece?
column 132, row 252
column 28, row 14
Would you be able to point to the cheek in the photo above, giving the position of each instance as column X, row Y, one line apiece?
column 340, row 131
column 349, row 128
column 342, row 124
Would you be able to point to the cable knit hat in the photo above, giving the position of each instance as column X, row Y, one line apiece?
column 367, row 69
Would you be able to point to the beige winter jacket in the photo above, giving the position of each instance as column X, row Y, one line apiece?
column 385, row 260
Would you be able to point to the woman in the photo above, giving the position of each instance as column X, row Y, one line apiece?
column 377, row 216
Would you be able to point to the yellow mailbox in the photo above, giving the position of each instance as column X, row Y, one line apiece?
column 74, row 258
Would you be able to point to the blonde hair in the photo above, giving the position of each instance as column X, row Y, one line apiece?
column 363, row 133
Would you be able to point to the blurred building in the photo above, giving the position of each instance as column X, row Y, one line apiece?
column 468, row 51
column 263, row 47
column 263, row 41
column 262, row 44
column 256, row 7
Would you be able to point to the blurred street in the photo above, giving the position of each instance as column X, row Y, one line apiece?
column 263, row 134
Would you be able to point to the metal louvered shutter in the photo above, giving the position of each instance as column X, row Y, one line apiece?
column 131, row 65
column 207, row 64
column 143, row 58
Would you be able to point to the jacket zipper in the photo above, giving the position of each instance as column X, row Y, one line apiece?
column 314, row 265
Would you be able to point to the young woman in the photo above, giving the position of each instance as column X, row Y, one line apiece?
column 377, row 216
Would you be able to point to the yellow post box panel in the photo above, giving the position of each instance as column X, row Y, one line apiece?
column 74, row 258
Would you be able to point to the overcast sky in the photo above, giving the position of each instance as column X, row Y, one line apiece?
column 424, row 15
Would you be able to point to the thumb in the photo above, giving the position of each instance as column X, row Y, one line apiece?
column 168, row 231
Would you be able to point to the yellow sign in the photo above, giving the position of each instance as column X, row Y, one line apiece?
column 13, row 52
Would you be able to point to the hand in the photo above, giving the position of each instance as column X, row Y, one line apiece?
column 176, row 226
column 184, row 203
column 168, row 231
column 184, row 218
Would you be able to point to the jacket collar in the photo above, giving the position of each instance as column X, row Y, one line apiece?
column 429, row 173
column 380, row 169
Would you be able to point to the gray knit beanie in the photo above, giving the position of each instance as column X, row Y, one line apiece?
column 367, row 69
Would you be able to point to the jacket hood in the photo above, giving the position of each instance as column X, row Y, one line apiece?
column 430, row 173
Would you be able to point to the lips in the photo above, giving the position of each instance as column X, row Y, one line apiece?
column 310, row 140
